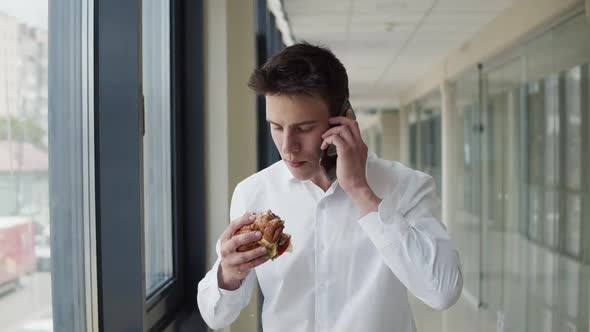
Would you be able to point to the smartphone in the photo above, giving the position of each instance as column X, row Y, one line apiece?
column 328, row 156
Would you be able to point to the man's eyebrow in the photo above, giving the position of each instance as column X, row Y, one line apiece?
column 295, row 124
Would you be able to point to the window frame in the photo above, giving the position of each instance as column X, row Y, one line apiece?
column 71, row 165
column 123, row 301
column 118, row 148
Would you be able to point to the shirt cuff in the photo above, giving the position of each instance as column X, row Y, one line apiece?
column 386, row 226
column 224, row 295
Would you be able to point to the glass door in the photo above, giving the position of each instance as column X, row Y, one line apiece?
column 493, row 195
column 468, row 201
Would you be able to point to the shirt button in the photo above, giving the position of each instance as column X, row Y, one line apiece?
column 435, row 283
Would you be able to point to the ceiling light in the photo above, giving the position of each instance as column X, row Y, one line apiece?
column 276, row 8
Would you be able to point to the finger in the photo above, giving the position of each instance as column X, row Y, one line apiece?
column 238, row 258
column 242, row 239
column 247, row 266
column 331, row 131
column 246, row 219
column 341, row 120
column 338, row 141
column 346, row 133
column 352, row 124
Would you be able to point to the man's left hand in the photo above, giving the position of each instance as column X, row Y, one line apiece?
column 351, row 162
column 351, row 149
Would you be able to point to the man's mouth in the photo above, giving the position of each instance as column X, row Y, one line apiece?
column 295, row 164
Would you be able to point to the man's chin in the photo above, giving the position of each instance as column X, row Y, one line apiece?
column 301, row 173
column 300, row 176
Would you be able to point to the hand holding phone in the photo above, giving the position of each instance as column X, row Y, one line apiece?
column 328, row 156
column 352, row 162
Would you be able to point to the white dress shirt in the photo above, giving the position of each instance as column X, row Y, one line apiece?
column 345, row 273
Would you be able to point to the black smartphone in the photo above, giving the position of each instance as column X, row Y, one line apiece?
column 328, row 156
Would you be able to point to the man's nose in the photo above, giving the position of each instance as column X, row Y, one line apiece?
column 290, row 143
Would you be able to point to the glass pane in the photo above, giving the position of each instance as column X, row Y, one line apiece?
column 157, row 144
column 548, row 275
column 573, row 224
column 429, row 108
column 534, row 212
column 535, row 133
column 574, row 123
column 551, row 218
column 25, row 255
column 413, row 132
column 569, row 282
column 552, row 130
column 499, row 141
column 467, row 230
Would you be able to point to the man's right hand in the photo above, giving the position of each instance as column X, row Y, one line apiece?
column 235, row 265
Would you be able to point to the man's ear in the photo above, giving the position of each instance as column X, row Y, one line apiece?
column 350, row 114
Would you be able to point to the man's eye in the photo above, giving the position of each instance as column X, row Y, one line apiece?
column 277, row 128
column 305, row 129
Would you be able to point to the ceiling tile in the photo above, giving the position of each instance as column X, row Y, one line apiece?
column 381, row 42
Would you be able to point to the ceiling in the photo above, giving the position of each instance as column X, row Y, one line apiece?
column 387, row 45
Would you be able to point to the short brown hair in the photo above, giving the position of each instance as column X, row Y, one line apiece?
column 303, row 69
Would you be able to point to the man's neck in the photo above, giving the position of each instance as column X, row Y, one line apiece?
column 323, row 182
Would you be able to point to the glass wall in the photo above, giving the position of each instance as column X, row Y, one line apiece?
column 467, row 210
column 522, row 214
column 502, row 254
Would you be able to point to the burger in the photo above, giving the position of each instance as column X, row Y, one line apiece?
column 273, row 239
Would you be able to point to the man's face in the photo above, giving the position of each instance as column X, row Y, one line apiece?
column 297, row 123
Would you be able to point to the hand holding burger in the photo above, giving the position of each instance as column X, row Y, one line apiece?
column 273, row 239
column 248, row 242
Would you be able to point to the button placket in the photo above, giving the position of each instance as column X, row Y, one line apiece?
column 323, row 268
column 319, row 225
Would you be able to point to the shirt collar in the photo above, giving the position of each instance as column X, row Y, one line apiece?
column 291, row 179
column 288, row 176
column 286, row 173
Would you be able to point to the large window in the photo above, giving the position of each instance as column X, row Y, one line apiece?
column 101, row 188
column 47, row 230
column 25, row 254
column 149, row 170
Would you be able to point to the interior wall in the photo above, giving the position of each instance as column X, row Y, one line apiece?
column 390, row 120
column 230, row 115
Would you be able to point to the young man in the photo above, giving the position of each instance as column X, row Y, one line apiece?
column 359, row 242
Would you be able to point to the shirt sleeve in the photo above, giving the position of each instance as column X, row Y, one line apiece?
column 219, row 307
column 415, row 245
